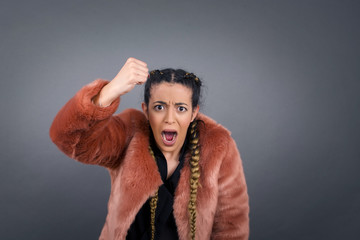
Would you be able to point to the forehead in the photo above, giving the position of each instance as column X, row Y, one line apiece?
column 170, row 92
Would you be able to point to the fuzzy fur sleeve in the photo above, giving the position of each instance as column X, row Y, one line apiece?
column 232, row 215
column 89, row 133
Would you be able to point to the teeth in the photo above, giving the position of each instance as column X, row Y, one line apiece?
column 164, row 137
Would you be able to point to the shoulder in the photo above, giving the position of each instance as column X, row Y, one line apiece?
column 134, row 114
column 213, row 136
column 212, row 130
column 133, row 119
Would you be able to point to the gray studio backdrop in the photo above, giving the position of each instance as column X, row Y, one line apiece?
column 283, row 76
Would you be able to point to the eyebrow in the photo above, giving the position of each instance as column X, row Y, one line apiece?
column 176, row 104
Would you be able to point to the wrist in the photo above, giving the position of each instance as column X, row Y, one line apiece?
column 105, row 97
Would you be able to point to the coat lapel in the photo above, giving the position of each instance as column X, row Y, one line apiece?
column 181, row 200
column 138, row 178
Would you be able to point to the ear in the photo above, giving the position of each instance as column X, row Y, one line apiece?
column 145, row 110
column 194, row 113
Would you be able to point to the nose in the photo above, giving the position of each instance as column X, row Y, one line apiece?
column 170, row 117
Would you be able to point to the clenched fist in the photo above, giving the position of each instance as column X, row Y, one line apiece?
column 134, row 72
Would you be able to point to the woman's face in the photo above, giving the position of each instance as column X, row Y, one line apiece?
column 170, row 113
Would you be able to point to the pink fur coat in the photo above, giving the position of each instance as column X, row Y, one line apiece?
column 93, row 135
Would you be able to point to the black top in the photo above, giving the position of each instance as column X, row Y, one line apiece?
column 165, row 227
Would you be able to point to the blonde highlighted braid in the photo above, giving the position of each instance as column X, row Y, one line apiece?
column 195, row 175
column 191, row 81
column 194, row 182
column 153, row 204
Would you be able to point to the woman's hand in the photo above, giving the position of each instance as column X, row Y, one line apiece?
column 134, row 72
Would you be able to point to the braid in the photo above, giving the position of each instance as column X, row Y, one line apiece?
column 195, row 175
column 194, row 182
column 153, row 205
column 170, row 75
column 190, row 80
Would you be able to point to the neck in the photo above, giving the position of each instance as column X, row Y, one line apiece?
column 172, row 156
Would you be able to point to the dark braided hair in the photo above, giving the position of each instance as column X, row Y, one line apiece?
column 170, row 75
column 194, row 177
column 189, row 80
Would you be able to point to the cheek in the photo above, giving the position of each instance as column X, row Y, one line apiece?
column 185, row 123
column 155, row 121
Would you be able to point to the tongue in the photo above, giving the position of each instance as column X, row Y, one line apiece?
column 169, row 136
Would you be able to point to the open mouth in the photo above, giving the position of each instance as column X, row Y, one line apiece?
column 169, row 137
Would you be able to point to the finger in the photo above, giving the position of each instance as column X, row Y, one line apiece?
column 141, row 72
column 132, row 66
column 139, row 77
column 141, row 80
column 140, row 62
column 137, row 61
column 139, row 68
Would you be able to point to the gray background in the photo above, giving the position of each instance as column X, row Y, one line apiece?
column 283, row 76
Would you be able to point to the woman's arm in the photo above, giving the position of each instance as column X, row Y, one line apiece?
column 134, row 72
column 86, row 131
column 232, row 215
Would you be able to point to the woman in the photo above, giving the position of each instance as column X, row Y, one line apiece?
column 175, row 173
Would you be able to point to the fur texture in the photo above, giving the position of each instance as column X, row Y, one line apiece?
column 93, row 135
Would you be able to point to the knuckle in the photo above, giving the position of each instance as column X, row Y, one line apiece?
column 130, row 60
column 132, row 75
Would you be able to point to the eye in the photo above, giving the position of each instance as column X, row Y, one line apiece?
column 182, row 109
column 158, row 107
